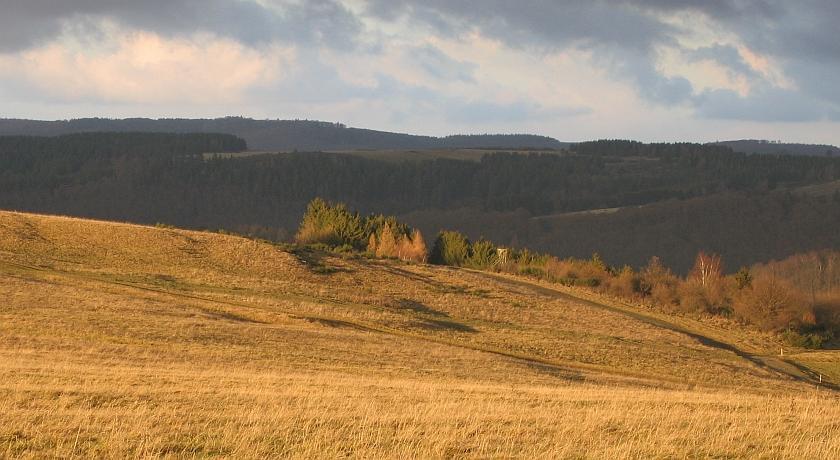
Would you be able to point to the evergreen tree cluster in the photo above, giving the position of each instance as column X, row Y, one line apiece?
column 337, row 228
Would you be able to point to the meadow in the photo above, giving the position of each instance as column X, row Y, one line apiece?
column 120, row 340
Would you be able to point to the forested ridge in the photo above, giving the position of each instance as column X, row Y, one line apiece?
column 279, row 135
column 151, row 178
column 780, row 148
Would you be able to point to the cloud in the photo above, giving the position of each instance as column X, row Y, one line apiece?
column 798, row 38
column 414, row 64
column 765, row 105
column 802, row 37
column 483, row 112
column 142, row 67
column 622, row 37
column 439, row 65
column 726, row 55
column 542, row 24
column 30, row 23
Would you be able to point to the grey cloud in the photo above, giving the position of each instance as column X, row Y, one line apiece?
column 652, row 85
column 801, row 29
column 322, row 22
column 724, row 55
column 765, row 105
column 624, row 34
column 312, row 82
column 487, row 112
column 543, row 24
column 801, row 36
column 717, row 9
column 316, row 83
column 439, row 65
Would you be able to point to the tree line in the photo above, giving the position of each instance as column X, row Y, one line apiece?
column 695, row 197
column 279, row 135
column 594, row 175
column 773, row 297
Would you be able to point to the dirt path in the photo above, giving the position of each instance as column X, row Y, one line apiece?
column 568, row 369
column 783, row 367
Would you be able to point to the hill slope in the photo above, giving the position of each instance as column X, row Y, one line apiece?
column 122, row 340
column 278, row 135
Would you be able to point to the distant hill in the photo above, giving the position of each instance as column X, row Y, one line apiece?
column 281, row 135
column 745, row 228
column 693, row 196
column 776, row 148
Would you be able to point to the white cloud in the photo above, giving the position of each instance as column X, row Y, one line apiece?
column 142, row 67
column 644, row 69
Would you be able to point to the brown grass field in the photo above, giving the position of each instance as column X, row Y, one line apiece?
column 119, row 340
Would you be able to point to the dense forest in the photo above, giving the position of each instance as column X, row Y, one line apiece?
column 279, row 135
column 676, row 198
column 744, row 227
column 780, row 148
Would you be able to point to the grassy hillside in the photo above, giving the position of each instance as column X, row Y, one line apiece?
column 123, row 340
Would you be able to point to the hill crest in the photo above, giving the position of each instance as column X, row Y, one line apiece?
column 280, row 135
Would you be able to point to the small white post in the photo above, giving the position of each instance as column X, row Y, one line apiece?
column 820, row 378
column 781, row 351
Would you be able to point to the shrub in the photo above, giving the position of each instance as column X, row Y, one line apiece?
column 450, row 248
column 524, row 257
column 827, row 310
column 532, row 271
column 743, row 279
column 483, row 255
column 772, row 303
column 386, row 243
column 414, row 248
column 331, row 225
column 624, row 284
column 659, row 283
column 577, row 272
column 704, row 288
column 396, row 245
column 810, row 340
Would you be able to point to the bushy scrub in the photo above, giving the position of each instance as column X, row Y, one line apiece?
column 450, row 248
column 334, row 227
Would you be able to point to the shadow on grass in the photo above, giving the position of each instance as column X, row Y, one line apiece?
column 226, row 315
column 315, row 260
column 556, row 372
column 438, row 320
column 435, row 284
column 417, row 307
column 329, row 322
column 444, row 325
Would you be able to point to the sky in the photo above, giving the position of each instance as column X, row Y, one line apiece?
column 651, row 70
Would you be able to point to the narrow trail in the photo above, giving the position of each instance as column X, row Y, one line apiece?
column 791, row 370
column 573, row 370
column 775, row 364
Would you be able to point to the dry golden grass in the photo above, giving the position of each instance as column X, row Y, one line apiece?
column 126, row 341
